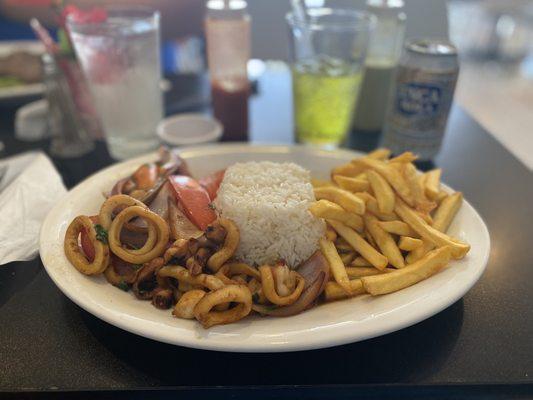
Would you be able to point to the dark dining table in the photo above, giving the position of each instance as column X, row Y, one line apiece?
column 480, row 347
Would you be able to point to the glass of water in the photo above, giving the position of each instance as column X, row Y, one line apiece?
column 120, row 60
column 328, row 53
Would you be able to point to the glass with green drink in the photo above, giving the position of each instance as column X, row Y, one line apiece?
column 328, row 55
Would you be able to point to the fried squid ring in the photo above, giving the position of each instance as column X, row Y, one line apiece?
column 269, row 287
column 178, row 250
column 184, row 308
column 146, row 282
column 228, row 294
column 228, row 249
column 160, row 231
column 257, row 291
column 74, row 253
column 183, row 275
column 231, row 269
column 105, row 217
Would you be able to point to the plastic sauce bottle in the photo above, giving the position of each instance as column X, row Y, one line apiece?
column 227, row 27
column 383, row 54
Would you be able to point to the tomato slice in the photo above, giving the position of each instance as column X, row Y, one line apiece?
column 193, row 199
column 211, row 183
column 86, row 245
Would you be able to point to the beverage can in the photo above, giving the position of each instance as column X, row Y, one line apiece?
column 422, row 97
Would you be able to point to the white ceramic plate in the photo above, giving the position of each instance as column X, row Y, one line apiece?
column 28, row 89
column 324, row 326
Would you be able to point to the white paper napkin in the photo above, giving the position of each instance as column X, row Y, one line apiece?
column 28, row 191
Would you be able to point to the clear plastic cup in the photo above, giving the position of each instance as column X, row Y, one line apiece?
column 120, row 59
column 328, row 53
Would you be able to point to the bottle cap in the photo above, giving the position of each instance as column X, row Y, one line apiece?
column 227, row 9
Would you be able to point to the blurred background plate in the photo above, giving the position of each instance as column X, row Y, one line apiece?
column 21, row 91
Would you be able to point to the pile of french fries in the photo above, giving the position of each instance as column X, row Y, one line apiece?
column 386, row 225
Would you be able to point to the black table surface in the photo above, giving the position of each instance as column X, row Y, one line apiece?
column 480, row 346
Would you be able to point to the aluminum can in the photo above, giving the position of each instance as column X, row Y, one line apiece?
column 421, row 98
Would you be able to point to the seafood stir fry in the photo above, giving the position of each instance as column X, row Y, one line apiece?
column 160, row 235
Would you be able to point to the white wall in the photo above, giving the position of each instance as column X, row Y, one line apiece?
column 425, row 18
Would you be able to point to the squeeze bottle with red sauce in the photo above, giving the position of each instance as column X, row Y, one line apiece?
column 227, row 29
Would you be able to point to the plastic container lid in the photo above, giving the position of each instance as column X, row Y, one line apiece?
column 189, row 128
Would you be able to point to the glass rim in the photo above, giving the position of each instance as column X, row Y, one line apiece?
column 143, row 13
column 358, row 20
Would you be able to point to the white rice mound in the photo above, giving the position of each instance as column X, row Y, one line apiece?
column 269, row 203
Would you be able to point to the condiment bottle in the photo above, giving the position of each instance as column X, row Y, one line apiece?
column 383, row 55
column 227, row 27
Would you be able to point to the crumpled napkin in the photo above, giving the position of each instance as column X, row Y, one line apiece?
column 28, row 190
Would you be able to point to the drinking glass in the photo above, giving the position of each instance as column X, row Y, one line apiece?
column 328, row 50
column 120, row 59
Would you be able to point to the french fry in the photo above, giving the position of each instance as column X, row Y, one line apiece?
column 368, row 237
column 391, row 174
column 408, row 243
column 425, row 216
column 351, row 184
column 406, row 157
column 348, row 169
column 411, row 179
column 432, row 182
column 443, row 218
column 385, row 242
column 347, row 200
column 446, row 212
column 333, row 291
column 419, row 252
column 375, row 258
column 372, row 206
column 360, row 262
column 430, row 264
column 382, row 191
column 359, row 272
column 343, row 248
column 321, row 183
column 347, row 258
column 441, row 196
column 328, row 210
column 340, row 242
column 336, row 265
column 399, row 228
column 436, row 237
column 331, row 234
column 379, row 154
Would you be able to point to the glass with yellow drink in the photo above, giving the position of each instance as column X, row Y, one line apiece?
column 328, row 54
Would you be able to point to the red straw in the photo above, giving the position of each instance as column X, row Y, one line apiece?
column 44, row 36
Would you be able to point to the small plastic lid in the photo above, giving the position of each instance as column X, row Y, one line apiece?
column 189, row 128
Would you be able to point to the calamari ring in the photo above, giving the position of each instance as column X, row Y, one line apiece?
column 178, row 249
column 105, row 216
column 150, row 241
column 184, row 308
column 74, row 253
column 257, row 289
column 183, row 275
column 231, row 269
column 269, row 287
column 228, row 294
column 228, row 249
column 160, row 231
column 224, row 278
column 111, row 275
